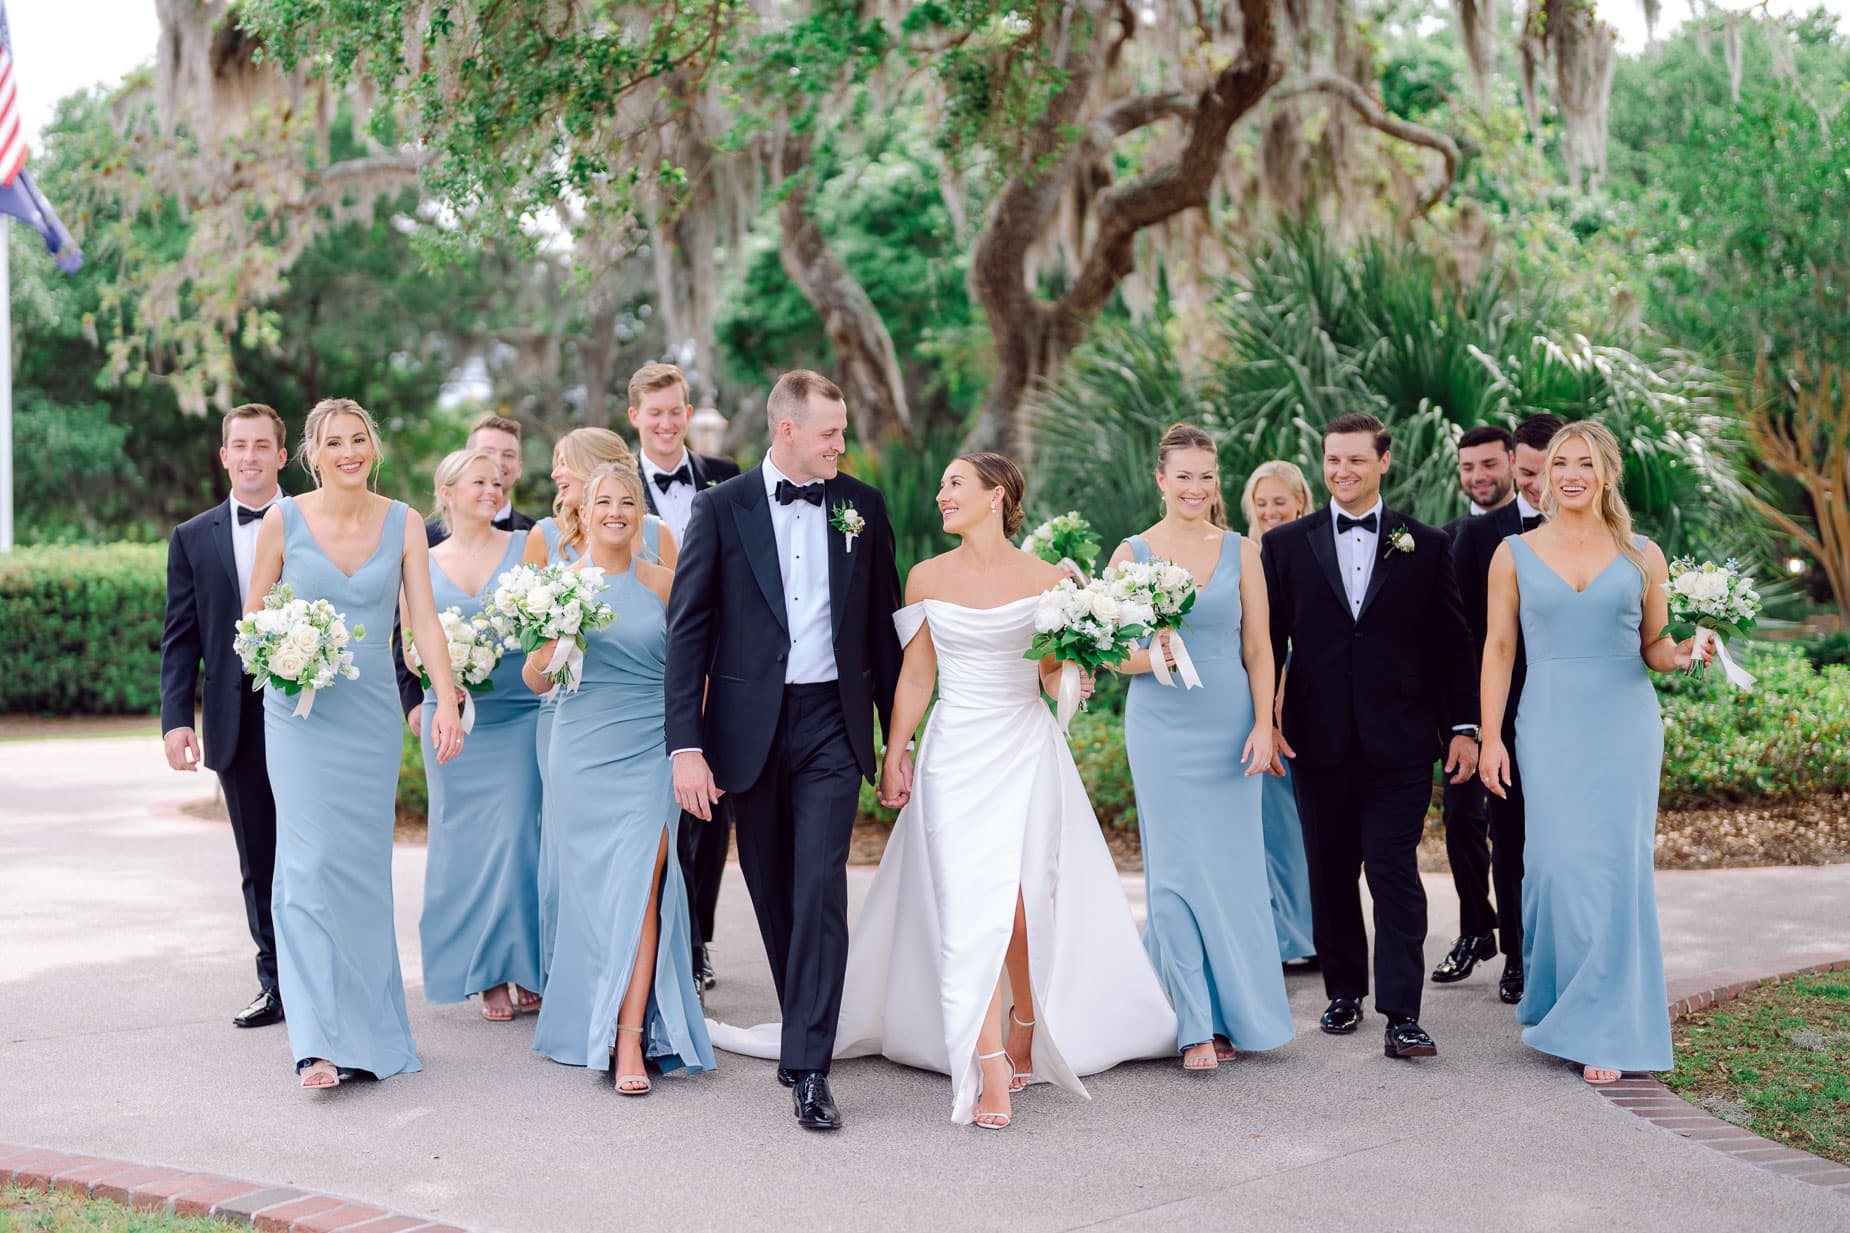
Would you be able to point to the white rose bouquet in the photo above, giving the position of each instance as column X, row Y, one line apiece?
column 535, row 604
column 475, row 647
column 1066, row 540
column 1084, row 627
column 1158, row 595
column 297, row 645
column 1708, row 600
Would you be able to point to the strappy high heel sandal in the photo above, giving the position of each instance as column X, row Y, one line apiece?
column 992, row 1121
column 627, row 1085
column 1019, row 1079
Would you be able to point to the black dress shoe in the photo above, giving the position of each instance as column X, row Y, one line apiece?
column 1342, row 1016
column 1509, row 989
column 265, row 1009
column 1408, row 1039
column 786, row 1077
column 703, row 971
column 815, row 1105
column 1467, row 952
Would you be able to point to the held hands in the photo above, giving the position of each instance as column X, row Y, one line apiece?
column 182, row 749
column 895, row 788
column 1493, row 767
column 1281, row 749
column 1260, row 754
column 694, row 789
column 414, row 720
column 1461, row 758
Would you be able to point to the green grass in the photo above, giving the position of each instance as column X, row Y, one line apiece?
column 1776, row 1060
column 34, row 1210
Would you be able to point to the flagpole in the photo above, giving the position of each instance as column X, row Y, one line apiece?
column 6, row 391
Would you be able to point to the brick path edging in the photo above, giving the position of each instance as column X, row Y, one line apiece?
column 272, row 1209
column 1657, row 1104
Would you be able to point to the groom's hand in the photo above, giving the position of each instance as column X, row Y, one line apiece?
column 694, row 789
column 182, row 748
column 1461, row 759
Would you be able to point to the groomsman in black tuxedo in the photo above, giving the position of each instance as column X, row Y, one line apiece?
column 1485, row 462
column 209, row 559
column 781, row 649
column 660, row 405
column 1474, row 547
column 1365, row 600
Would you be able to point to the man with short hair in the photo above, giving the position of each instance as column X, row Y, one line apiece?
column 1485, row 459
column 209, row 560
column 500, row 436
column 671, row 474
column 1365, row 602
column 1473, row 547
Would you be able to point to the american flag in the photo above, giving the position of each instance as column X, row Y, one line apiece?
column 19, row 196
column 12, row 135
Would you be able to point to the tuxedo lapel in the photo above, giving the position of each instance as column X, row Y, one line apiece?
column 1509, row 520
column 221, row 539
column 1323, row 547
column 758, row 540
column 1384, row 545
column 648, row 493
column 841, row 560
column 699, row 472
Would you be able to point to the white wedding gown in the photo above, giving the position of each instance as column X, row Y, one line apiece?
column 997, row 805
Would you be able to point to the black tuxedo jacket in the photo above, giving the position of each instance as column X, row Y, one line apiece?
column 727, row 638
column 1472, row 548
column 707, row 470
column 202, row 616
column 1395, row 677
column 434, row 533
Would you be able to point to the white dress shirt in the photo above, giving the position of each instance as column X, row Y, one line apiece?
column 1356, row 552
column 244, row 544
column 803, row 555
column 676, row 504
column 1523, row 507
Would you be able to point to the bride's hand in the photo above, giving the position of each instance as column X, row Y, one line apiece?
column 1259, row 753
column 895, row 786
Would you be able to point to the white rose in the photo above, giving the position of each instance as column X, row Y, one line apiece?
column 271, row 621
column 570, row 620
column 1714, row 586
column 288, row 662
column 1174, row 578
column 504, row 599
column 1104, row 607
column 538, row 600
column 306, row 639
column 459, row 655
column 338, row 635
column 1687, row 584
column 482, row 663
column 1137, row 614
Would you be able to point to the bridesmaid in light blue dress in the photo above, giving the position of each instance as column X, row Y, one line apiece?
column 1276, row 493
column 552, row 541
column 335, row 771
column 1197, row 759
column 621, row 990
column 1589, row 598
column 480, row 926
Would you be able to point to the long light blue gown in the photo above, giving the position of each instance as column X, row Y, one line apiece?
column 1590, row 738
column 335, row 776
column 1209, row 934
column 1287, row 869
column 558, row 553
column 481, row 921
column 613, row 800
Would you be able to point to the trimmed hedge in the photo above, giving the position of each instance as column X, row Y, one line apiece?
column 80, row 629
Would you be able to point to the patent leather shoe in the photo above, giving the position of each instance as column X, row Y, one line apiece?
column 1466, row 954
column 266, row 1008
column 786, row 1076
column 1342, row 1016
column 1509, row 989
column 703, row 971
column 1408, row 1039
column 815, row 1104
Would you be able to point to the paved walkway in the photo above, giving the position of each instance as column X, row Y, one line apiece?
column 122, row 956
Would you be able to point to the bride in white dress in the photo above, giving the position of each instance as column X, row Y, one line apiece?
column 996, row 876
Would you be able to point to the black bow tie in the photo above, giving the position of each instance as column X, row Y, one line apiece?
column 1530, row 522
column 1344, row 522
column 503, row 523
column 682, row 474
column 788, row 492
column 247, row 515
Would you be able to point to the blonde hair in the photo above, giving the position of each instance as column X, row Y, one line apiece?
column 1609, row 464
column 1286, row 473
column 316, row 427
column 624, row 473
column 581, row 452
column 449, row 473
column 1189, row 437
column 652, row 377
column 790, row 397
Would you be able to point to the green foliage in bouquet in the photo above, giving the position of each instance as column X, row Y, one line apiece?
column 80, row 629
column 1068, row 537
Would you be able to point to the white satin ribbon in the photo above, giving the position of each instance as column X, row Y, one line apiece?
column 1067, row 699
column 1069, row 563
column 1185, row 667
column 1738, row 676
column 468, row 711
column 304, row 703
column 571, row 657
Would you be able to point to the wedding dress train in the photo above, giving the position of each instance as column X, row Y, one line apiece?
column 997, row 807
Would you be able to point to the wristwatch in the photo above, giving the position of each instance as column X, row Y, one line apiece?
column 1470, row 730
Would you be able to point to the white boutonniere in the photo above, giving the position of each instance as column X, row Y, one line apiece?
column 1400, row 540
column 847, row 519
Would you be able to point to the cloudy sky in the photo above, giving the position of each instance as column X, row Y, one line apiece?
column 65, row 45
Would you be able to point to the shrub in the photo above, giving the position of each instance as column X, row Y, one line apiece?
column 1785, row 740
column 80, row 629
column 413, row 792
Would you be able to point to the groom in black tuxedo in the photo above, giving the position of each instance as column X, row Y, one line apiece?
column 781, row 648
column 1365, row 601
column 209, row 560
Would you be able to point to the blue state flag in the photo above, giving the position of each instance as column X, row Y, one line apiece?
column 19, row 196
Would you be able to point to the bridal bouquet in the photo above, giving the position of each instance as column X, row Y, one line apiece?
column 1084, row 627
column 475, row 646
column 1066, row 540
column 1708, row 600
column 296, row 645
column 1157, row 595
column 534, row 604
